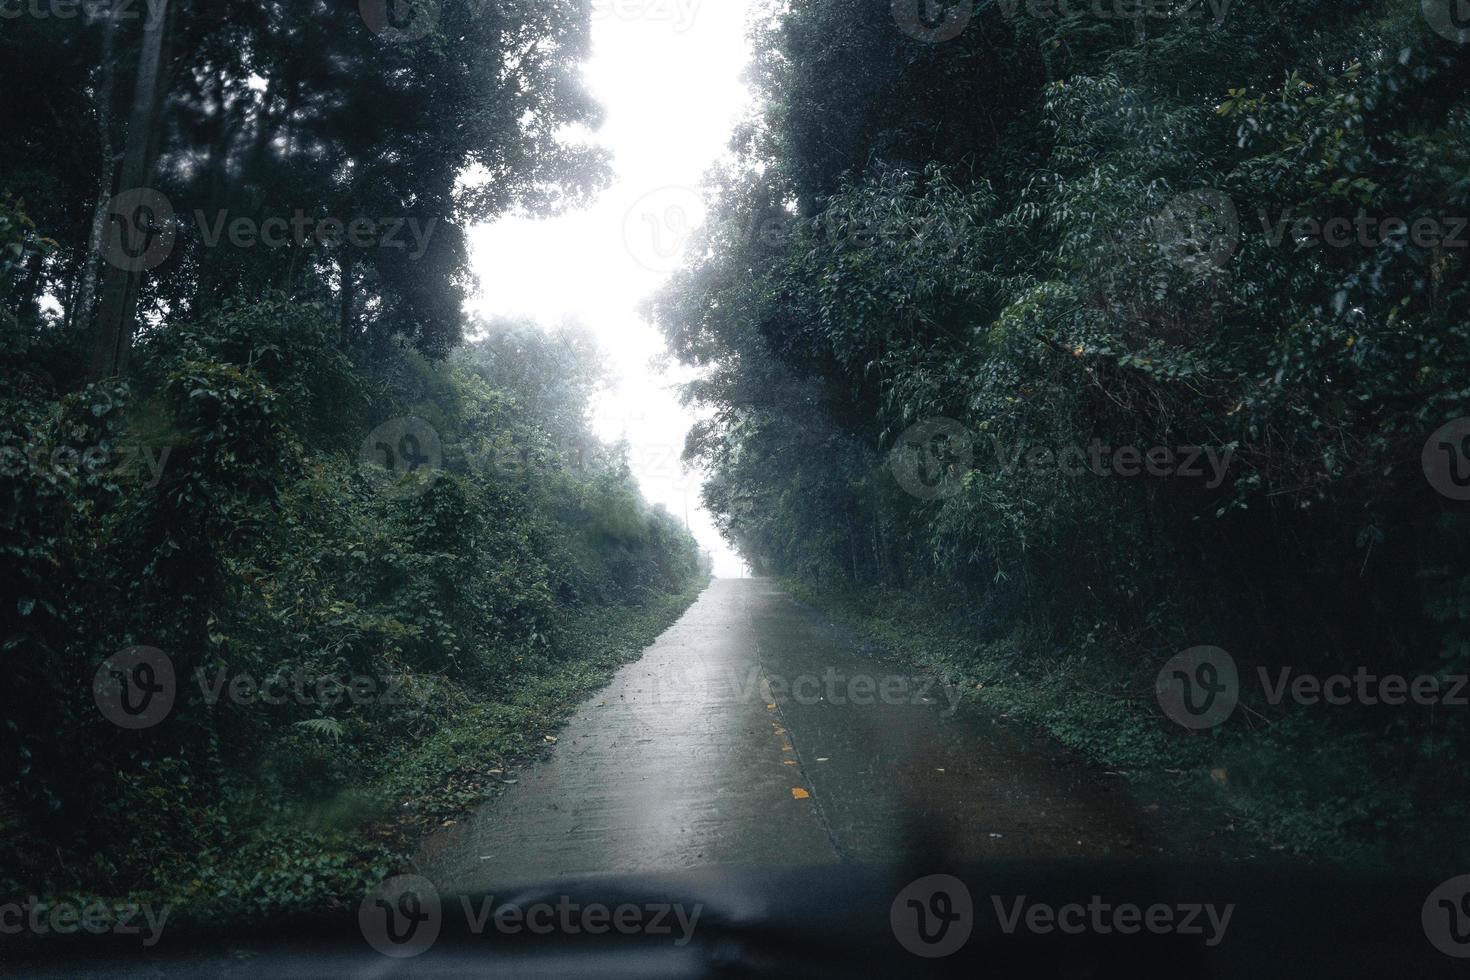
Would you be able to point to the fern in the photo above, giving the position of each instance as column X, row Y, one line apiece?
column 329, row 727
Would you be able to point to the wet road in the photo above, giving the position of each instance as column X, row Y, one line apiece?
column 755, row 733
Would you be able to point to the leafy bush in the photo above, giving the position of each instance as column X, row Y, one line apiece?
column 1005, row 230
column 249, row 542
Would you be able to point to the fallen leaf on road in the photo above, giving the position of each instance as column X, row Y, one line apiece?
column 798, row 793
column 823, row 759
column 788, row 762
column 551, row 739
column 1220, row 776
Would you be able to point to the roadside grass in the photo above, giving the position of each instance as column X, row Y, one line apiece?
column 1342, row 790
column 323, row 820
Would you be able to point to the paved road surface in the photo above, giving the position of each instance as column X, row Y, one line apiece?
column 755, row 733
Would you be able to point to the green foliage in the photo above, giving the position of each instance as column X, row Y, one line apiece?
column 986, row 230
column 213, row 503
column 257, row 548
column 281, row 116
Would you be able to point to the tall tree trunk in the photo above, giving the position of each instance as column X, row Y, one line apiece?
column 215, row 199
column 27, row 292
column 879, row 565
column 852, row 549
column 114, row 329
column 349, row 293
column 79, row 312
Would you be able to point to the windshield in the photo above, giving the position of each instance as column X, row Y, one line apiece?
column 645, row 469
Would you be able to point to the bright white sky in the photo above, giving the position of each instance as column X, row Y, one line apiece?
column 668, row 73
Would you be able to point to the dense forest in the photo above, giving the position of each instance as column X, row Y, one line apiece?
column 251, row 441
column 1057, row 339
column 1043, row 343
